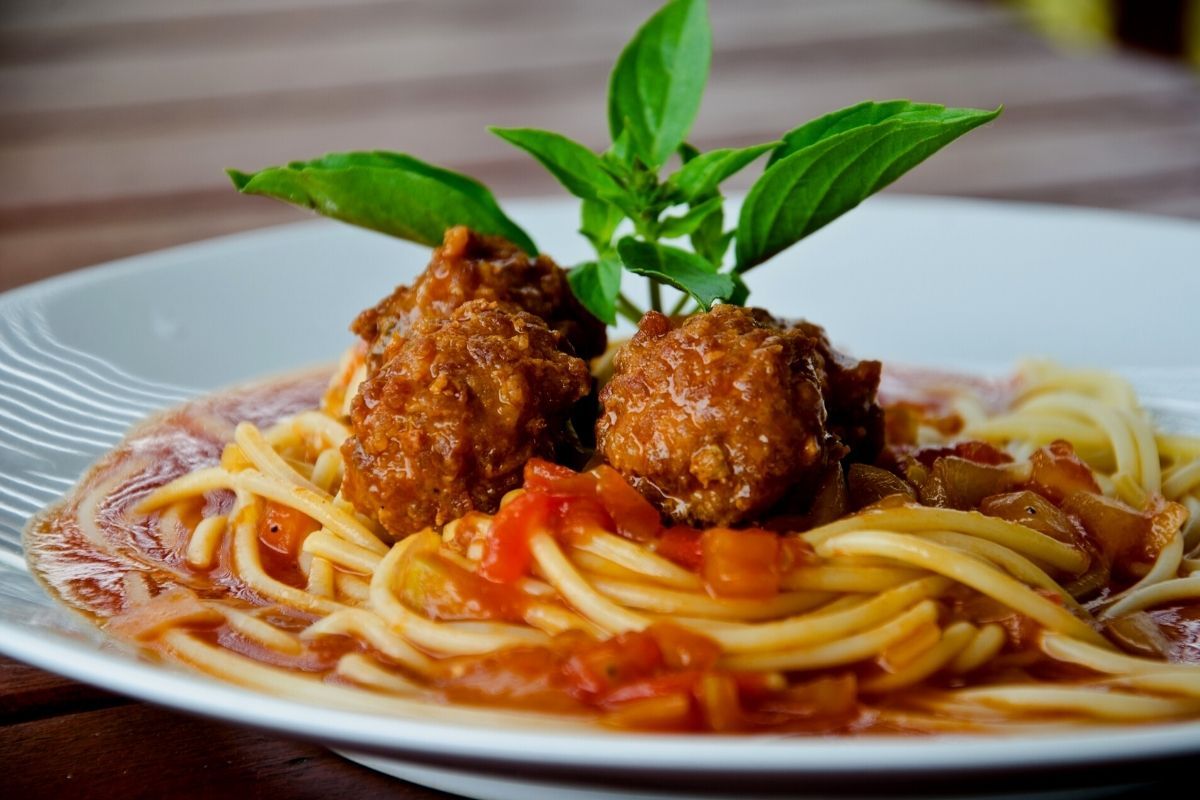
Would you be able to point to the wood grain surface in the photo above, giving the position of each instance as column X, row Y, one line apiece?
column 117, row 117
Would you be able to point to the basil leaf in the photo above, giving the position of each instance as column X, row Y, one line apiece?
column 393, row 193
column 598, row 221
column 689, row 221
column 741, row 292
column 659, row 78
column 577, row 168
column 869, row 112
column 708, row 240
column 619, row 157
column 815, row 185
column 703, row 173
column 597, row 284
column 687, row 152
column 686, row 271
column 726, row 239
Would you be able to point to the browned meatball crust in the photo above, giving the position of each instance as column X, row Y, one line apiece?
column 850, row 390
column 471, row 266
column 714, row 419
column 446, row 424
column 721, row 416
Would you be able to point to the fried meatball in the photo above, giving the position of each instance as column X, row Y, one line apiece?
column 721, row 416
column 471, row 266
column 849, row 388
column 446, row 424
column 716, row 418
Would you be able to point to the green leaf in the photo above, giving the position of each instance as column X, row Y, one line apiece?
column 619, row 156
column 709, row 240
column 685, row 224
column 658, row 80
column 687, row 152
column 598, row 222
column 597, row 284
column 686, row 271
column 577, row 168
column 816, row 184
column 870, row 112
column 702, row 174
column 741, row 292
column 726, row 239
column 393, row 193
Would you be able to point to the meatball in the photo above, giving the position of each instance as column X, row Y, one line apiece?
column 721, row 416
column 471, row 266
column 446, row 424
column 850, row 389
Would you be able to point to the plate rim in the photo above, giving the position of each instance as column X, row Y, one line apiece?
column 770, row 755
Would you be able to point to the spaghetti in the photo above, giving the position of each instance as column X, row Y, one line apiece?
column 901, row 616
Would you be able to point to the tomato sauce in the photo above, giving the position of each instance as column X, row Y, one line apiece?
column 665, row 677
column 82, row 548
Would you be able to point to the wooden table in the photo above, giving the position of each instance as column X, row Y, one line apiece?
column 117, row 117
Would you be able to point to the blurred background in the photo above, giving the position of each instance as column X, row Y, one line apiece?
column 117, row 116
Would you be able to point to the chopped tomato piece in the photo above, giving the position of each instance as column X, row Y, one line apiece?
column 719, row 703
column 506, row 554
column 283, row 528
column 553, row 479
column 832, row 696
column 655, row 686
column 442, row 590
column 597, row 668
column 539, row 471
column 681, row 544
column 683, row 649
column 742, row 563
column 666, row 713
column 633, row 514
column 600, row 499
column 580, row 516
column 1058, row 472
column 528, row 676
column 754, row 686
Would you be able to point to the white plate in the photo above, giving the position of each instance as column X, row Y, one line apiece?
column 919, row 280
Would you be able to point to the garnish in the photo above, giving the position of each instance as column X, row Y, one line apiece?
column 391, row 193
column 814, row 174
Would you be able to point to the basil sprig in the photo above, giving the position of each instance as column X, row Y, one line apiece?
column 629, row 210
column 658, row 81
column 685, row 271
column 829, row 166
column 392, row 193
